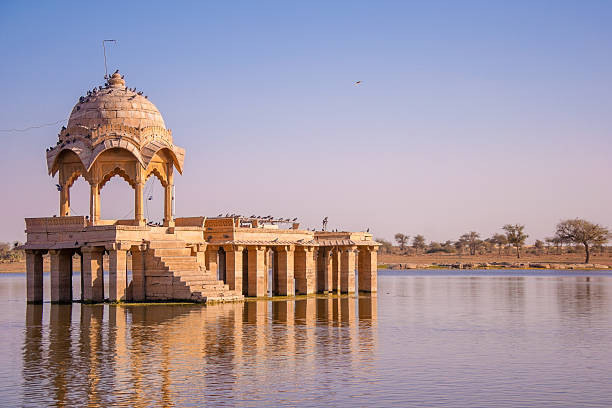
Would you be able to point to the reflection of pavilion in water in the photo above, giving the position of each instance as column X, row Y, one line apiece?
column 165, row 355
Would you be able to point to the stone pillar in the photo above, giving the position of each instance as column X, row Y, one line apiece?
column 256, row 271
column 64, row 210
column 212, row 253
column 34, row 276
column 94, row 203
column 347, row 270
column 324, row 269
column 283, row 263
column 138, row 291
column 305, row 270
column 61, row 275
column 335, row 261
column 117, row 274
column 93, row 274
column 138, row 203
column 168, row 220
column 368, row 272
column 233, row 267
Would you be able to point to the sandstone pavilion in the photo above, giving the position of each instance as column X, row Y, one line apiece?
column 116, row 131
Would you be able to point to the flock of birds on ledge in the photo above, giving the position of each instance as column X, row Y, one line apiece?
column 92, row 93
column 267, row 218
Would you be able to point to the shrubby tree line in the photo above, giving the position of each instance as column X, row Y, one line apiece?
column 8, row 253
column 576, row 234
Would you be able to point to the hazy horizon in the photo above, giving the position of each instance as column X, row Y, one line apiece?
column 470, row 115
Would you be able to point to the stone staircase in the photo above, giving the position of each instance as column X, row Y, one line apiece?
column 172, row 273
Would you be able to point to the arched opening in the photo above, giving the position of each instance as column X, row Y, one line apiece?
column 245, row 272
column 79, row 197
column 153, row 199
column 221, row 275
column 116, row 198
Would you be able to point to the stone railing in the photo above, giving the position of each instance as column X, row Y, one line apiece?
column 55, row 223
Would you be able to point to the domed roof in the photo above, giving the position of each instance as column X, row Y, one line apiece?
column 115, row 104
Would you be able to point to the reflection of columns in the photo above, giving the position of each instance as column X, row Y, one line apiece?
column 283, row 263
column 347, row 270
column 93, row 275
column 305, row 274
column 138, row 203
column 368, row 262
column 94, row 203
column 137, row 289
column 256, row 271
column 335, row 258
column 59, row 368
column 324, row 269
column 368, row 310
column 34, row 276
column 233, row 267
column 34, row 372
column 64, row 200
column 212, row 252
column 61, row 275
column 168, row 220
column 117, row 274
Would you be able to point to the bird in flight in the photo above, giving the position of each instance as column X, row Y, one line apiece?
column 357, row 82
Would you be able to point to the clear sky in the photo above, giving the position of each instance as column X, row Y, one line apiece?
column 471, row 115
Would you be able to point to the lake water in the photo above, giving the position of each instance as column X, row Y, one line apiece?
column 447, row 339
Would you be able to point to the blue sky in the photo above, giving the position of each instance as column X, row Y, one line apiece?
column 470, row 115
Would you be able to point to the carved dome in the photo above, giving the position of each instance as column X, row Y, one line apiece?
column 115, row 104
column 114, row 117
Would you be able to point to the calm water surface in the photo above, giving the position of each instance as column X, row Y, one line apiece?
column 456, row 339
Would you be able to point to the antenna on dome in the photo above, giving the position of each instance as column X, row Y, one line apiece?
column 104, row 48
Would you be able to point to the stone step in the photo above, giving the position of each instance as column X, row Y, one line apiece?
column 155, row 244
column 162, row 252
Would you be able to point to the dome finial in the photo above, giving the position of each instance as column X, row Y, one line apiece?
column 116, row 81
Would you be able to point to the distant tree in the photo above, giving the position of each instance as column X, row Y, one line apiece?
column 555, row 241
column 500, row 240
column 459, row 245
column 386, row 245
column 472, row 241
column 418, row 242
column 448, row 246
column 402, row 240
column 582, row 232
column 515, row 236
column 538, row 244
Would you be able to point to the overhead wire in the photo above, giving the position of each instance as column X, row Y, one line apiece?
column 33, row 126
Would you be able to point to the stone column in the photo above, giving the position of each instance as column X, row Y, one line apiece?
column 138, row 203
column 212, row 253
column 305, row 271
column 283, row 263
column 233, row 267
column 34, row 276
column 168, row 220
column 256, row 271
column 117, row 274
column 64, row 210
column 335, row 261
column 324, row 269
column 94, row 203
column 368, row 263
column 61, row 275
column 347, row 270
column 138, row 291
column 93, row 274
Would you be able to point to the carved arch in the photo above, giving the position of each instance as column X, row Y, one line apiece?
column 155, row 147
column 155, row 171
column 115, row 144
column 117, row 171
